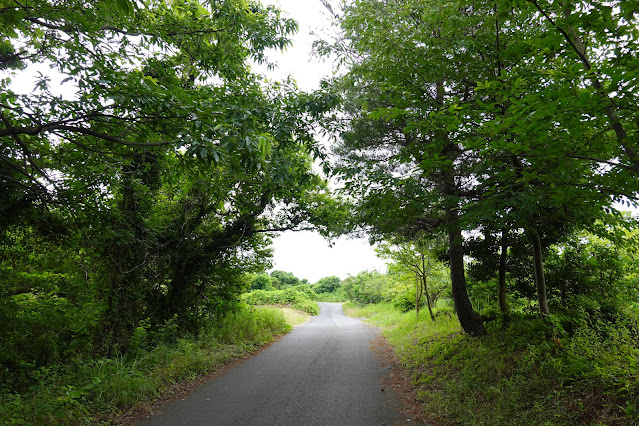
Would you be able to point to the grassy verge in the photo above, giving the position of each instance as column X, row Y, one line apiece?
column 335, row 297
column 292, row 316
column 526, row 371
column 85, row 391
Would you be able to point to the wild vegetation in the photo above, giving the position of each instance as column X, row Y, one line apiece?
column 285, row 289
column 512, row 122
column 89, row 391
column 486, row 146
column 143, row 169
column 576, row 366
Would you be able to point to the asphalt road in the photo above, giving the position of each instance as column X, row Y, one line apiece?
column 322, row 373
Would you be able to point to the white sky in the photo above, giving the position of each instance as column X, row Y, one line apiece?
column 306, row 254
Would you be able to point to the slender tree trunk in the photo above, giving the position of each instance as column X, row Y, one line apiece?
column 503, row 304
column 418, row 295
column 468, row 318
column 425, row 291
column 540, row 279
column 429, row 301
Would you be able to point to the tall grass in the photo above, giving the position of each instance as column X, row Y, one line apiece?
column 526, row 371
column 86, row 390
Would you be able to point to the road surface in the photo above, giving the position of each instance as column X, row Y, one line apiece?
column 322, row 373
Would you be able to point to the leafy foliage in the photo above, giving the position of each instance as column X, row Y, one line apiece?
column 487, row 117
column 327, row 285
column 300, row 297
column 141, row 178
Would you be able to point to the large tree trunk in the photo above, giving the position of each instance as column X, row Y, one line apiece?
column 540, row 278
column 468, row 318
column 503, row 304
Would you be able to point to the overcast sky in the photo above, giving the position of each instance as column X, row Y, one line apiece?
column 307, row 254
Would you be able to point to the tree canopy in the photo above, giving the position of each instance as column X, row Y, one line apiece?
column 494, row 116
column 144, row 167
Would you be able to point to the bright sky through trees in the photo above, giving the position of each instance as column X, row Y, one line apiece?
column 306, row 254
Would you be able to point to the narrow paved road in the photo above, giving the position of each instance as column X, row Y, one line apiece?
column 322, row 373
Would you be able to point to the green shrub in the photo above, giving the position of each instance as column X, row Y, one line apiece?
column 307, row 290
column 406, row 300
column 261, row 282
column 327, row 284
column 299, row 297
column 84, row 390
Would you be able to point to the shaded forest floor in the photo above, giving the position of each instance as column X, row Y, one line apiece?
column 526, row 371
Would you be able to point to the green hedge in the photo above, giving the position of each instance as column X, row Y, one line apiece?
column 299, row 297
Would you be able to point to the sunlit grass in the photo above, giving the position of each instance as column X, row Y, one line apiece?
column 293, row 316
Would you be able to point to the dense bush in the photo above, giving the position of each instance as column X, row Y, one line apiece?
column 87, row 390
column 327, row 285
column 396, row 287
column 406, row 300
column 281, row 279
column 584, row 272
column 261, row 282
column 299, row 297
column 367, row 287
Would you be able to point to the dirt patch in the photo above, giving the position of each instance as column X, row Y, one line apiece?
column 400, row 381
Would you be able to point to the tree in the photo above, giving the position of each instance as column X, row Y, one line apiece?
column 284, row 279
column 465, row 132
column 417, row 257
column 366, row 287
column 261, row 282
column 163, row 158
column 327, row 284
column 403, row 149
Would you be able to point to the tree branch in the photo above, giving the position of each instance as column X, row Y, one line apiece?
column 52, row 127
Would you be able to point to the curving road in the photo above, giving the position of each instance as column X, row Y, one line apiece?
column 322, row 373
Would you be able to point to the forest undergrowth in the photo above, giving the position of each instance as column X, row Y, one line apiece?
column 527, row 370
